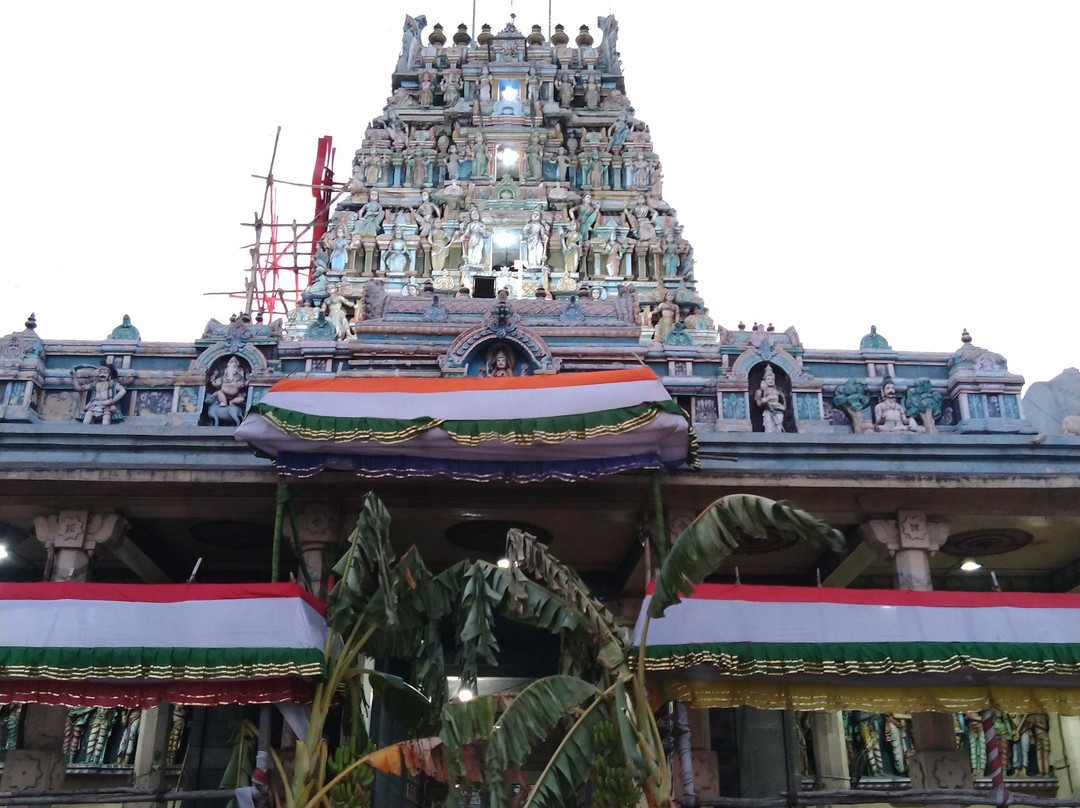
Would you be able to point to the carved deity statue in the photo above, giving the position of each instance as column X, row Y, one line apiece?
column 614, row 249
column 480, row 165
column 586, row 215
column 667, row 314
column 472, row 234
column 535, row 235
column 371, row 216
column 889, row 414
column 571, row 248
column 397, row 256
column 669, row 259
column 105, row 394
column 772, row 401
column 334, row 306
column 426, row 214
column 231, row 385
column 500, row 362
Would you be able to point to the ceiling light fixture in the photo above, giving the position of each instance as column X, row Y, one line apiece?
column 970, row 565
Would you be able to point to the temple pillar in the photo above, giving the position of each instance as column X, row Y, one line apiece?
column 318, row 523
column 910, row 540
column 74, row 537
column 830, row 750
column 150, row 751
column 1065, row 754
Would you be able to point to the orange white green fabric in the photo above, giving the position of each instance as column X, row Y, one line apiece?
column 822, row 648
column 139, row 644
column 563, row 426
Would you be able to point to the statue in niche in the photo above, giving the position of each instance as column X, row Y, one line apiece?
column 472, row 234
column 480, row 164
column 614, row 249
column 535, row 235
column 617, row 134
column 626, row 303
column 105, row 393
column 640, row 219
column 484, row 85
column 665, row 317
column 371, row 166
column 534, row 155
column 427, row 87
column 453, row 164
column 451, row 88
column 499, row 362
column 772, row 402
column 532, row 86
column 566, row 88
column 669, row 259
column 334, row 306
column 686, row 260
column 371, row 217
column 596, row 173
column 571, row 250
column 562, row 164
column 125, row 330
column 408, row 168
column 586, row 215
column 422, row 172
column 592, row 91
column 337, row 244
column 230, row 385
column 439, row 245
column 889, row 414
column 426, row 214
column 397, row 256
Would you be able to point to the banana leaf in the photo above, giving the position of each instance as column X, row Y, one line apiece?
column 715, row 534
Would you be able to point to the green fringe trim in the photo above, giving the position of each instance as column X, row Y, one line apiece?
column 744, row 659
column 520, row 431
column 68, row 664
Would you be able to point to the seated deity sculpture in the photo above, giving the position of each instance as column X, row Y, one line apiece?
column 890, row 415
column 230, row 385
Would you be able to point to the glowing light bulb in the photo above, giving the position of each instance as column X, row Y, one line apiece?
column 970, row 565
column 464, row 694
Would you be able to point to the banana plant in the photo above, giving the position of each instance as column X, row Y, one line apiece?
column 607, row 682
column 387, row 606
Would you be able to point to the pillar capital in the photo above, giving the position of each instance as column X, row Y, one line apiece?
column 75, row 537
column 80, row 530
column 910, row 530
column 319, row 526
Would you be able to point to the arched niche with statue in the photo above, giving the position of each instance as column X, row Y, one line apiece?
column 772, row 407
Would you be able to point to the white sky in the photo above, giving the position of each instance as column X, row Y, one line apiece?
column 913, row 165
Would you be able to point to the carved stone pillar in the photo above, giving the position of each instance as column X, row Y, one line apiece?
column 318, row 523
column 149, row 763
column 830, row 750
column 75, row 537
column 910, row 540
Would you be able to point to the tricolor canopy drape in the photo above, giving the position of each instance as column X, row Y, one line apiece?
column 819, row 648
column 135, row 645
column 521, row 429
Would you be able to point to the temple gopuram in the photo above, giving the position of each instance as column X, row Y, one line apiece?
column 502, row 332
